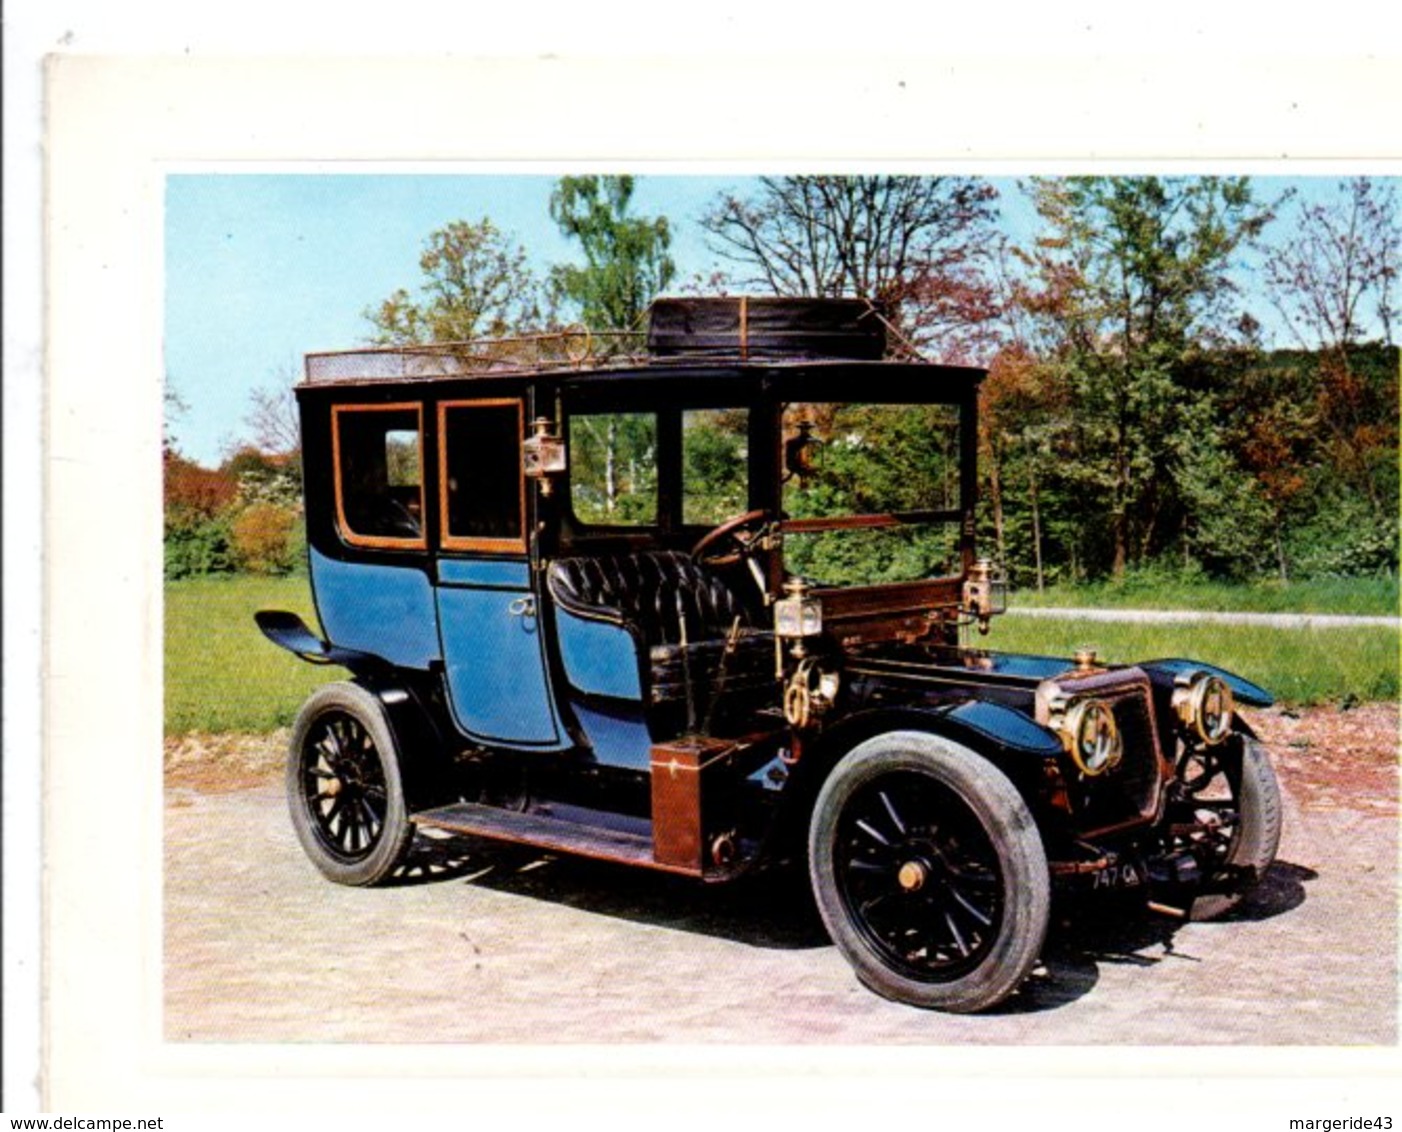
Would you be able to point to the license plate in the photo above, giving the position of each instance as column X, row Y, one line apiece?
column 1119, row 876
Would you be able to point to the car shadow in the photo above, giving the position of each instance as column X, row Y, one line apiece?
column 1086, row 935
column 775, row 909
column 771, row 909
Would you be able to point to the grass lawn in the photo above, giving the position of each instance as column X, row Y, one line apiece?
column 1298, row 666
column 221, row 673
column 1359, row 596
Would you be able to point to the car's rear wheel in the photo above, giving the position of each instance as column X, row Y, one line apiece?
column 344, row 787
column 929, row 872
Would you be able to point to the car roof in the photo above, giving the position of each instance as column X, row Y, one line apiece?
column 722, row 340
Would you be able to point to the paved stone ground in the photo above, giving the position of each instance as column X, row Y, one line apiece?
column 500, row 944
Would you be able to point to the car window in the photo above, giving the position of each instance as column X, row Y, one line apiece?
column 379, row 474
column 480, row 475
column 613, row 468
column 715, row 464
column 871, row 492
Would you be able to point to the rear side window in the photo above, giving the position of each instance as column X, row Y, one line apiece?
column 379, row 474
column 613, row 468
column 483, row 494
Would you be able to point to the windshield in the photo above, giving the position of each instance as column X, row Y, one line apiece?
column 871, row 492
column 614, row 467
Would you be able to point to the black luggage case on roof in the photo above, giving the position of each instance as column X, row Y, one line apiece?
column 751, row 327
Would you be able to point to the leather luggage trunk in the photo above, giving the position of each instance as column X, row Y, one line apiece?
column 680, row 829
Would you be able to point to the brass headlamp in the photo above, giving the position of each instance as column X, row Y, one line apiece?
column 1087, row 730
column 1205, row 706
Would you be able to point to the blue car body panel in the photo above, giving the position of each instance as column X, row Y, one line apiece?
column 386, row 611
column 617, row 732
column 600, row 658
column 487, row 573
column 498, row 685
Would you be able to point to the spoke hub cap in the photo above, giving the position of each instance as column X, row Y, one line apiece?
column 911, row 876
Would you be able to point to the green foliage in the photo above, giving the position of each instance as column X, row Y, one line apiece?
column 1226, row 522
column 221, row 673
column 715, row 465
column 1132, row 284
column 1136, row 420
column 1344, row 538
column 874, row 459
column 872, row 557
column 626, row 260
column 613, row 467
column 195, row 546
column 265, row 479
column 246, row 515
column 476, row 283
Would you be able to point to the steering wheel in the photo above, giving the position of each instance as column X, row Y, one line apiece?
column 730, row 531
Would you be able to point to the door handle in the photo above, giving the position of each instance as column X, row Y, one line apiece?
column 522, row 607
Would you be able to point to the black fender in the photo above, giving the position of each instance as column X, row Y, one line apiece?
column 288, row 631
column 425, row 754
column 1164, row 672
column 1017, row 745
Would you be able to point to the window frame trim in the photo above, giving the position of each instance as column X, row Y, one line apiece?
column 446, row 539
column 377, row 542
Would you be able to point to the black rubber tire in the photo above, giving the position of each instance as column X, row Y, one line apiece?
column 1257, row 835
column 964, row 789
column 388, row 833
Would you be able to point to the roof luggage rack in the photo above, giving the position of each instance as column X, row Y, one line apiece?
column 739, row 328
column 571, row 348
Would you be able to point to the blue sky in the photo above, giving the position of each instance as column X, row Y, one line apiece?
column 263, row 268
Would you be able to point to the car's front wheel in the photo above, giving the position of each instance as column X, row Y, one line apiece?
column 1236, row 795
column 929, row 872
column 344, row 787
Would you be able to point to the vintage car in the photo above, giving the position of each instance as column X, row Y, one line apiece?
column 704, row 599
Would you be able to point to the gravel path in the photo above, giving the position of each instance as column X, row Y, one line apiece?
column 486, row 943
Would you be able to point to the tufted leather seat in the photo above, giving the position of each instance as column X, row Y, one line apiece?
column 653, row 594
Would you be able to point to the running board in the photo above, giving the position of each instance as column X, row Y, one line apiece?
column 550, row 833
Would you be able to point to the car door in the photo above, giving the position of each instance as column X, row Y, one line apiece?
column 497, row 679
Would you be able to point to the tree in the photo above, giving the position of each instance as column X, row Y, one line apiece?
column 197, row 502
column 1022, row 417
column 193, row 493
column 914, row 245
column 273, row 418
column 626, row 260
column 626, row 266
column 1130, row 283
column 1334, row 280
column 174, row 407
column 477, row 283
column 265, row 477
column 1338, row 271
